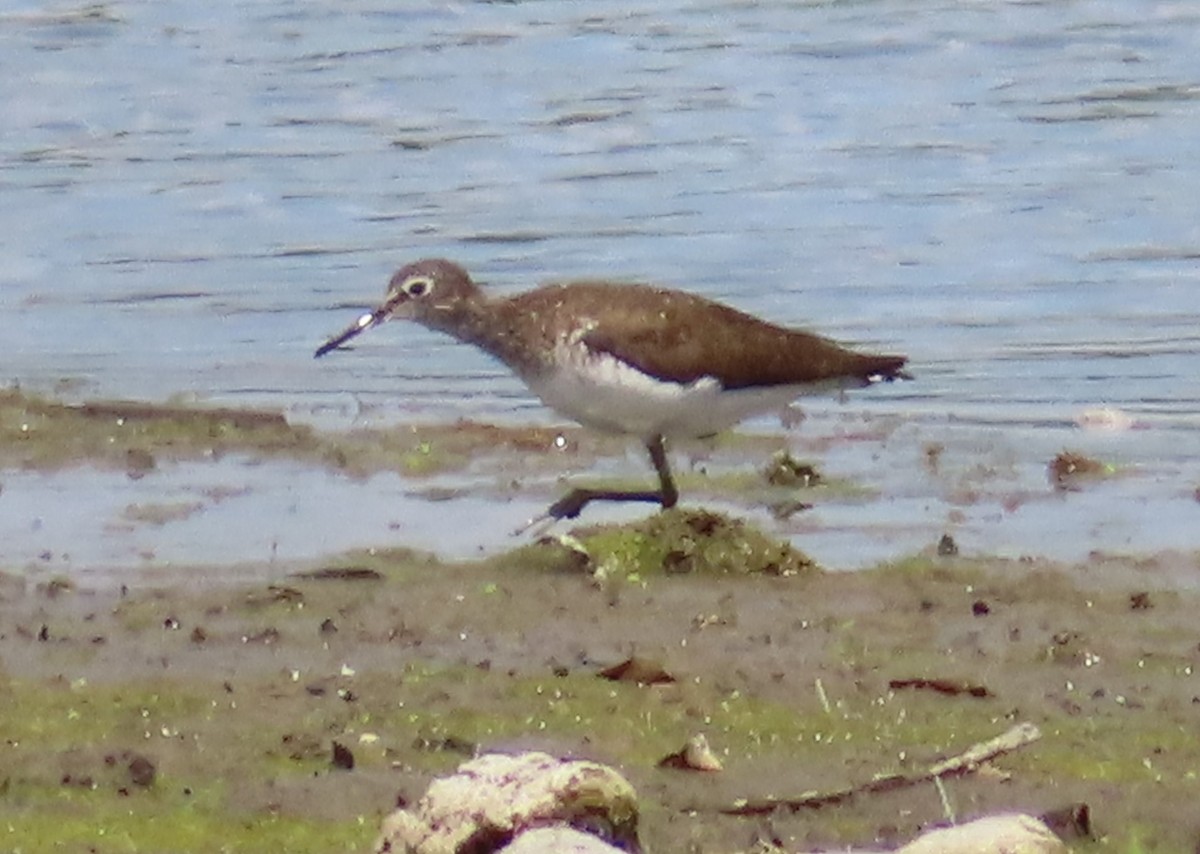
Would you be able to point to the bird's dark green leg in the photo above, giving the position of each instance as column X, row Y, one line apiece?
column 572, row 504
column 658, row 456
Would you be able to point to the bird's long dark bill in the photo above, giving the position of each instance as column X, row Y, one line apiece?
column 353, row 330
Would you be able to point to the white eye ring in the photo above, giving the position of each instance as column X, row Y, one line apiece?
column 417, row 286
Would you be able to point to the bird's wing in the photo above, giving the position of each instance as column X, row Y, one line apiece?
column 689, row 338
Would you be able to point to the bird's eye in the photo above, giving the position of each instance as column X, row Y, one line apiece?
column 417, row 287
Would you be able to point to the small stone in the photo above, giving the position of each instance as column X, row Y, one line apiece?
column 643, row 671
column 1140, row 601
column 696, row 755
column 141, row 770
column 946, row 546
column 786, row 470
column 138, row 463
column 342, row 758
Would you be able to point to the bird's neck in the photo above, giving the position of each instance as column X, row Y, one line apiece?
column 487, row 324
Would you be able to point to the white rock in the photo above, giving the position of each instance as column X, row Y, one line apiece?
column 491, row 800
column 1013, row 833
column 559, row 840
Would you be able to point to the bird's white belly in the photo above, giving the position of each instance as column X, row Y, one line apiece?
column 606, row 394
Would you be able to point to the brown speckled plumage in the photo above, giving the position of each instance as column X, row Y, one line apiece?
column 672, row 335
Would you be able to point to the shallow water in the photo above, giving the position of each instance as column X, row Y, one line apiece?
column 194, row 196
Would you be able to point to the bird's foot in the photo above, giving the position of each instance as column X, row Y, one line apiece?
column 539, row 525
column 567, row 507
column 572, row 504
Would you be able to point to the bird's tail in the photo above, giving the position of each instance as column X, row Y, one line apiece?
column 885, row 369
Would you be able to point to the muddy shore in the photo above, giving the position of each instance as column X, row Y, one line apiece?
column 172, row 711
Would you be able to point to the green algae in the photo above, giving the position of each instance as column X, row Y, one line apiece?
column 87, row 822
column 65, row 786
column 36, row 432
column 686, row 541
column 40, row 433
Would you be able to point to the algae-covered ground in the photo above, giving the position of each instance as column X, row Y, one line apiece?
column 164, row 712
column 190, row 717
column 43, row 433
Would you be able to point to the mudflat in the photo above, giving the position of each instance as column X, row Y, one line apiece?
column 295, row 713
column 289, row 706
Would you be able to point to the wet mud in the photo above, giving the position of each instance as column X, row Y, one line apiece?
column 290, row 706
column 296, row 713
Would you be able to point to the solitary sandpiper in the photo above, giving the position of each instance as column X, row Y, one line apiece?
column 628, row 358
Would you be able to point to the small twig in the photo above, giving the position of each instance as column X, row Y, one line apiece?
column 976, row 755
column 964, row 763
column 952, row 687
column 947, row 809
column 823, row 697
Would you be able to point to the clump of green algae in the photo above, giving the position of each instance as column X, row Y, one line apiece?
column 684, row 540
